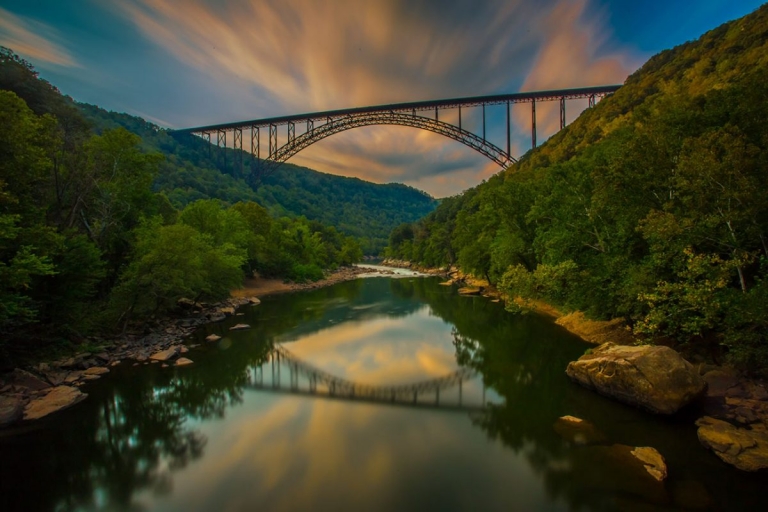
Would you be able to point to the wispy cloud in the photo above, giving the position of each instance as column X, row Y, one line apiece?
column 291, row 56
column 33, row 40
column 573, row 54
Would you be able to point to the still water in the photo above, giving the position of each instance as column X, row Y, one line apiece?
column 240, row 429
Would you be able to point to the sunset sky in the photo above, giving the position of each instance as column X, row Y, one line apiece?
column 198, row 62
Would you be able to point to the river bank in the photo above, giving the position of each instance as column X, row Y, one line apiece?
column 738, row 402
column 54, row 385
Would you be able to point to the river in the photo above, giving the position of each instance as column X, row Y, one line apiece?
column 242, row 429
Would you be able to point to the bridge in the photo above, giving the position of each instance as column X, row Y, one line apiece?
column 303, row 130
column 318, row 383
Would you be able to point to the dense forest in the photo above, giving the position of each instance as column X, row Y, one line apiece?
column 88, row 244
column 193, row 169
column 652, row 206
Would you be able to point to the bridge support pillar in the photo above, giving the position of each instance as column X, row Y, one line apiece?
column 238, row 145
column 533, row 124
column 221, row 141
column 562, row 113
column 509, row 151
column 272, row 140
column 255, row 142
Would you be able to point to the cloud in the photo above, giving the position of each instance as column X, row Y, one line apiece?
column 573, row 55
column 33, row 40
column 276, row 57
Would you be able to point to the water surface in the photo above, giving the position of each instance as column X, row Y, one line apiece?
column 228, row 433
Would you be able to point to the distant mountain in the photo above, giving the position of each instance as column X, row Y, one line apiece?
column 196, row 170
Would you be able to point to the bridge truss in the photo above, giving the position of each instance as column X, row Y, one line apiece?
column 425, row 115
column 319, row 383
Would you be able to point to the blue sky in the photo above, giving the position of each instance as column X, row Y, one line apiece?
column 196, row 62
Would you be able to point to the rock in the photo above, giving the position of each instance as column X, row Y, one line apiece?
column 11, row 410
column 655, row 378
column 216, row 317
column 747, row 449
column 91, row 377
column 103, row 356
column 114, row 363
column 229, row 311
column 183, row 361
column 653, row 461
column 56, row 378
column 239, row 327
column 212, row 337
column 254, row 301
column 184, row 303
column 25, row 379
column 470, row 290
column 719, row 382
column 578, row 431
column 615, row 469
column 73, row 377
column 96, row 370
column 447, row 283
column 163, row 365
column 165, row 355
column 59, row 398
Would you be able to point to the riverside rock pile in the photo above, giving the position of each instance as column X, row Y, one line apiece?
column 50, row 387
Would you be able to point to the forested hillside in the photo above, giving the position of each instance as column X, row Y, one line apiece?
column 87, row 245
column 651, row 206
column 193, row 169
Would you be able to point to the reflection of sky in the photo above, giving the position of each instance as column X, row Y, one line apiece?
column 383, row 350
column 299, row 454
column 284, row 452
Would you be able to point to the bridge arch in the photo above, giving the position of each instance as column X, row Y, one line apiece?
column 414, row 114
column 482, row 146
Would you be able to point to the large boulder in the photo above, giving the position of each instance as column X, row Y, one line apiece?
column 57, row 399
column 747, row 449
column 654, row 378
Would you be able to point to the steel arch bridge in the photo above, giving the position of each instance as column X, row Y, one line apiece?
column 424, row 115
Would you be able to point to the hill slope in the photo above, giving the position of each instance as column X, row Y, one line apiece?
column 651, row 206
column 195, row 170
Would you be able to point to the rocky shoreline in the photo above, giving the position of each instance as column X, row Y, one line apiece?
column 34, row 392
column 732, row 409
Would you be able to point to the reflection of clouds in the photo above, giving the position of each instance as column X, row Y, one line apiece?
column 277, row 57
column 293, row 454
column 381, row 351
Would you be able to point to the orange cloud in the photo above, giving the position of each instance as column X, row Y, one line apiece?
column 571, row 57
column 292, row 56
column 33, row 40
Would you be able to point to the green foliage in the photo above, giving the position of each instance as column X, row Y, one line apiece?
column 650, row 206
column 81, row 228
column 171, row 262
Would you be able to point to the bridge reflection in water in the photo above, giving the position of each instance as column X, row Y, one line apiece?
column 321, row 384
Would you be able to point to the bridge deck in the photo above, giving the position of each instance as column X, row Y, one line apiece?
column 521, row 97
